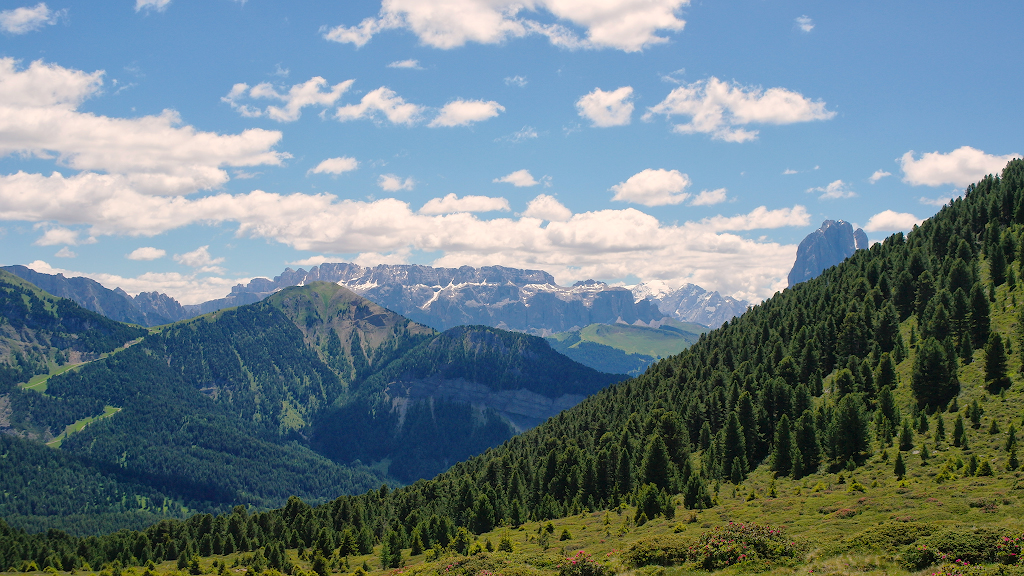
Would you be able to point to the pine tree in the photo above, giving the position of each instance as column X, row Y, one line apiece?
column 979, row 315
column 995, row 364
column 734, row 459
column 959, row 435
column 655, row 466
column 1011, row 438
column 1011, row 462
column 940, row 428
column 906, row 437
column 934, row 380
column 782, row 450
column 899, row 468
column 997, row 266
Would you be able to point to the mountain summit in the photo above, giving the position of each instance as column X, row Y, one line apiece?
column 827, row 246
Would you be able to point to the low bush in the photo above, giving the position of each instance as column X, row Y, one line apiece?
column 723, row 546
column 971, row 546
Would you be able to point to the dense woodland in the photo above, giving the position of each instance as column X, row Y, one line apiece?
column 802, row 382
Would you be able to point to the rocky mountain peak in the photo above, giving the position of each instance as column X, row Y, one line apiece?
column 833, row 242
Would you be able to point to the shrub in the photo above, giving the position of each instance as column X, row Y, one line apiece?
column 973, row 546
column 723, row 546
column 582, row 564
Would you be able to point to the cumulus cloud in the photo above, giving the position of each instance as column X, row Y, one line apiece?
column 805, row 23
column 200, row 259
column 940, row 201
column 158, row 5
column 605, row 109
column 313, row 92
column 66, row 252
column 890, row 221
column 408, row 64
column 57, row 235
column 835, row 190
column 154, row 154
column 451, row 204
column 185, row 288
column 23, row 20
column 465, row 112
column 384, row 101
column 652, row 187
column 519, row 179
column 598, row 244
column 961, row 167
column 335, row 165
column 546, row 207
column 709, row 197
column 516, row 80
column 724, row 109
column 629, row 25
column 146, row 253
column 393, row 183
column 878, row 175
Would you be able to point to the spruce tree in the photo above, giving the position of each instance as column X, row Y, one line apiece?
column 655, row 466
column 996, row 378
column 906, row 437
column 940, row 428
column 959, row 435
column 934, row 380
column 782, row 450
column 979, row 315
column 899, row 468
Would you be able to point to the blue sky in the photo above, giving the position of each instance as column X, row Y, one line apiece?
column 184, row 145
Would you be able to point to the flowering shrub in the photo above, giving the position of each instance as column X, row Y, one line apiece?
column 1008, row 549
column 582, row 564
column 723, row 546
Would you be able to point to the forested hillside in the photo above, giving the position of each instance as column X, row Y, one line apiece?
column 818, row 379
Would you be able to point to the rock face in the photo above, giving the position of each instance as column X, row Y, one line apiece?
column 508, row 298
column 691, row 303
column 827, row 246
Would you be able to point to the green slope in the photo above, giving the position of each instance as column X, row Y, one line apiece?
column 626, row 349
column 810, row 397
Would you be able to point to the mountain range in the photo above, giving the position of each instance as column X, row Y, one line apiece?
column 508, row 298
column 295, row 395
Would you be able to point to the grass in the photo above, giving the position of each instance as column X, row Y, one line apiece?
column 38, row 382
column 70, row 429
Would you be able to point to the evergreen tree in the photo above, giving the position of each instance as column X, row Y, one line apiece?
column 899, row 468
column 655, row 463
column 996, row 378
column 391, row 551
column 848, row 431
column 997, row 266
column 734, row 459
column 959, row 435
column 940, row 428
column 782, row 450
column 906, row 437
column 934, row 379
column 979, row 315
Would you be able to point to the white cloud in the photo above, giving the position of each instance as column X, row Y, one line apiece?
column 890, row 221
column 941, row 201
column 522, row 135
column 158, row 5
column 66, row 252
column 408, row 64
column 153, row 154
column 451, row 204
column 805, row 23
column 465, row 112
column 23, row 20
column 200, row 259
column 961, row 167
column 835, row 190
column 629, row 25
column 385, row 101
column 709, row 197
column 760, row 218
column 393, row 183
column 789, row 171
column 600, row 244
column 723, row 110
column 185, row 288
column 545, row 207
column 652, row 187
column 516, row 80
column 335, row 165
column 878, row 175
column 605, row 109
column 313, row 92
column 519, row 179
column 146, row 253
column 57, row 235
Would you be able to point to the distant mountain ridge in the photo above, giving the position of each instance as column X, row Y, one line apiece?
column 508, row 298
column 833, row 242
